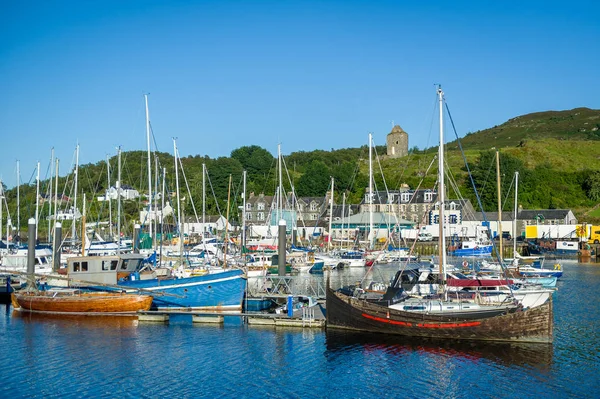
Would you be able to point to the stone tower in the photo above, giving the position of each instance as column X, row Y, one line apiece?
column 397, row 142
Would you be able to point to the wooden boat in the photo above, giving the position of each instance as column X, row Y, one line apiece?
column 439, row 317
column 75, row 301
column 531, row 325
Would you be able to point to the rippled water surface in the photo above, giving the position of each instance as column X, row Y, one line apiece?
column 74, row 357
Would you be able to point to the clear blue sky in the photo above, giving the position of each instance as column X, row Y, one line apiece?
column 306, row 74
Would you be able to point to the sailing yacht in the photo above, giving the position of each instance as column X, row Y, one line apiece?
column 441, row 315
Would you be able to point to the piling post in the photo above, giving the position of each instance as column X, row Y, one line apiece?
column 281, row 247
column 31, row 248
column 57, row 247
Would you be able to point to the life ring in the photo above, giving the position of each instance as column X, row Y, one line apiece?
column 465, row 264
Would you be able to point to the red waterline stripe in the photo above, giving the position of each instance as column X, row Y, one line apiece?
column 381, row 319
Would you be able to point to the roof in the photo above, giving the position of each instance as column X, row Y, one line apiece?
column 397, row 129
column 546, row 213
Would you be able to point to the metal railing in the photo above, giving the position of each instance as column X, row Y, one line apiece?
column 282, row 286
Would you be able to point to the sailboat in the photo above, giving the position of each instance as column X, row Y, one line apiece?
column 439, row 317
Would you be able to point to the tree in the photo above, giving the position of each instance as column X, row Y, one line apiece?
column 315, row 180
column 592, row 186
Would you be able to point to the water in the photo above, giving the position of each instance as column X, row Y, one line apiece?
column 78, row 357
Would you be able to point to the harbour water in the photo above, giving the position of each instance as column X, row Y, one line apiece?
column 74, row 357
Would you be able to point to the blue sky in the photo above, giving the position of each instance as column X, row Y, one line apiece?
column 306, row 74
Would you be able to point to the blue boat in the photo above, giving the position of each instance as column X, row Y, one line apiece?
column 470, row 248
column 215, row 291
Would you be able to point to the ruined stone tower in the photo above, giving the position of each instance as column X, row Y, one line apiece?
column 397, row 142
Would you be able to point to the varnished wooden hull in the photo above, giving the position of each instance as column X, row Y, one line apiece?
column 82, row 303
column 531, row 325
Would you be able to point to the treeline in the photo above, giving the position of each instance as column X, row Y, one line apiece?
column 543, row 186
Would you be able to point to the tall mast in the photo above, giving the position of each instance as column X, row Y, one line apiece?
column 204, row 204
column 442, row 188
column 18, row 201
column 37, row 201
column 54, row 243
column 227, row 224
column 149, row 171
column 50, row 232
column 243, row 216
column 499, row 204
column 330, row 217
column 118, row 187
column 371, row 197
column 514, row 236
column 73, row 233
column 162, row 210
column 110, row 230
column 343, row 216
column 178, row 202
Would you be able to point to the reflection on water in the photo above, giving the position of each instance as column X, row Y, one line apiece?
column 508, row 354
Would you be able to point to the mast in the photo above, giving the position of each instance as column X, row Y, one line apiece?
column 330, row 217
column 83, row 227
column 178, row 202
column 54, row 243
column 37, row 201
column 149, row 172
column 50, row 232
column 110, row 231
column 227, row 225
column 118, row 199
column 162, row 210
column 343, row 216
column 441, row 196
column 73, row 233
column 371, row 196
column 243, row 217
column 18, row 201
column 204, row 204
column 514, row 236
column 499, row 204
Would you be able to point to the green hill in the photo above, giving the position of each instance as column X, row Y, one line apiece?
column 580, row 124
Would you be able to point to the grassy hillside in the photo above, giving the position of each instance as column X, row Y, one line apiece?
column 580, row 124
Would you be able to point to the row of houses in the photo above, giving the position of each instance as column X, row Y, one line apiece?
column 393, row 212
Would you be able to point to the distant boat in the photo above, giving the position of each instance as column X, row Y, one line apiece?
column 76, row 301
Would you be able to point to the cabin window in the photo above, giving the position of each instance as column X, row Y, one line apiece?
column 113, row 264
column 105, row 265
column 84, row 266
column 414, row 307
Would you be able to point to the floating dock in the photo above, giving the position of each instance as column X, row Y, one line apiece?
column 307, row 317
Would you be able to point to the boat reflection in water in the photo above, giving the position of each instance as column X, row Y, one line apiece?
column 507, row 354
column 74, row 322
